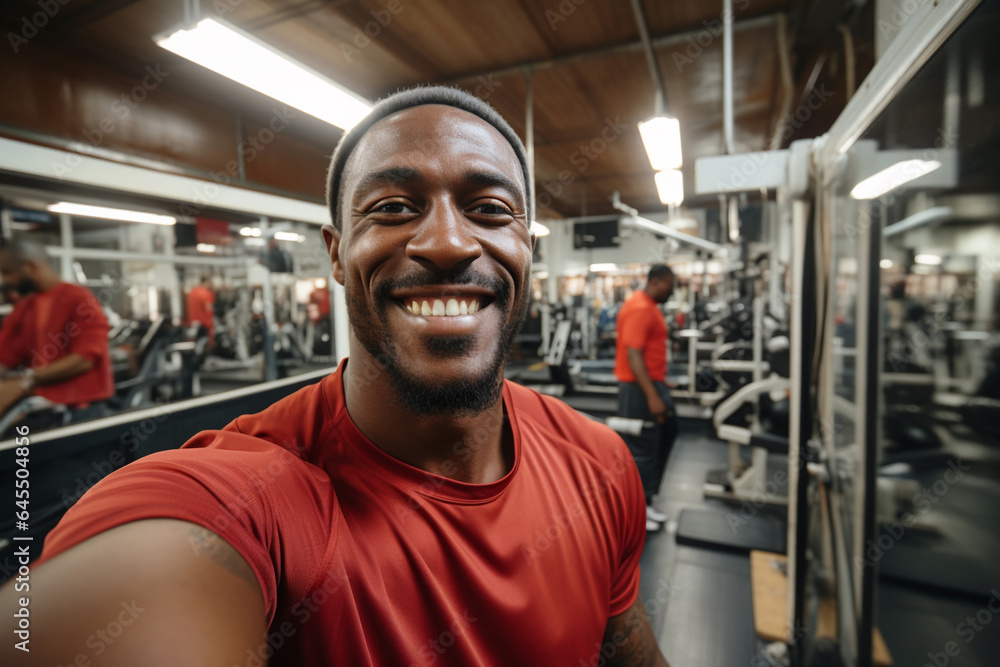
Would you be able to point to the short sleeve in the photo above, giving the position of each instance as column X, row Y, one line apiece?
column 632, row 535
column 236, row 494
column 91, row 339
column 635, row 331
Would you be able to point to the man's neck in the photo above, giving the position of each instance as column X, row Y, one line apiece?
column 48, row 282
column 475, row 449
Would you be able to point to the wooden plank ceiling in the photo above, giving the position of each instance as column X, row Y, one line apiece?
column 589, row 72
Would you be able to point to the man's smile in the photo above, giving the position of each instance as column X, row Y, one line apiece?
column 442, row 307
column 437, row 302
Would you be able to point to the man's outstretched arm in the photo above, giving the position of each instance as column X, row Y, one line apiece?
column 152, row 592
column 629, row 640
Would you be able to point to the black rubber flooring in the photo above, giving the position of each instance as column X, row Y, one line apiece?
column 698, row 600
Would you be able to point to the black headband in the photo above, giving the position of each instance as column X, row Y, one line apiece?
column 408, row 99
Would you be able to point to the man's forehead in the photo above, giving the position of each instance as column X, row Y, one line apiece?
column 428, row 133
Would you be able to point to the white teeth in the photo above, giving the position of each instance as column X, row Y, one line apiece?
column 443, row 308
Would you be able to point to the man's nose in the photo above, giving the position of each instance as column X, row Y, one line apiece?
column 444, row 239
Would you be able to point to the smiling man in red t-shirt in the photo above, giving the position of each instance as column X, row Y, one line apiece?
column 412, row 508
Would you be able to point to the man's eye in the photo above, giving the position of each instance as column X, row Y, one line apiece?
column 493, row 209
column 393, row 207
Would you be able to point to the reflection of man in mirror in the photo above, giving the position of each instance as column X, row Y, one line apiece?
column 201, row 307
column 56, row 338
column 412, row 507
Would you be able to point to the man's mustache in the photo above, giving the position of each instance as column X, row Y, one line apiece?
column 465, row 278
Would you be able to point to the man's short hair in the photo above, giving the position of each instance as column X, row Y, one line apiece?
column 414, row 97
column 659, row 272
column 20, row 252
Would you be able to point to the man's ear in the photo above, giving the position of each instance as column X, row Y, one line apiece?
column 331, row 235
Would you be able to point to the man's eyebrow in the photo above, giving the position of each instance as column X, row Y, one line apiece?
column 494, row 179
column 387, row 176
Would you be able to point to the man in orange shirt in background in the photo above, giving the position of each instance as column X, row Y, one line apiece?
column 56, row 338
column 200, row 307
column 641, row 369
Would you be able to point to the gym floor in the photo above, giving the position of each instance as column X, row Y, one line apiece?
column 700, row 605
column 698, row 600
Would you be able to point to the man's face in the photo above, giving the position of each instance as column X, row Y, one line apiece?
column 435, row 255
column 664, row 288
column 19, row 277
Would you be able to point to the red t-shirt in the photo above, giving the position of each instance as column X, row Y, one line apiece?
column 199, row 308
column 365, row 560
column 641, row 326
column 46, row 326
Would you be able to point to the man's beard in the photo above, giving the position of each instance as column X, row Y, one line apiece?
column 26, row 286
column 467, row 396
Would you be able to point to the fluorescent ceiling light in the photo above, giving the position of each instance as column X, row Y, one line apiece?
column 892, row 177
column 929, row 260
column 250, row 231
column 538, row 229
column 289, row 236
column 886, row 264
column 930, row 216
column 245, row 59
column 670, row 186
column 205, row 247
column 603, row 267
column 111, row 213
column 639, row 222
column 662, row 138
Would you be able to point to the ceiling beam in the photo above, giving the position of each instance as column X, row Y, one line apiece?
column 291, row 11
column 87, row 14
column 670, row 39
